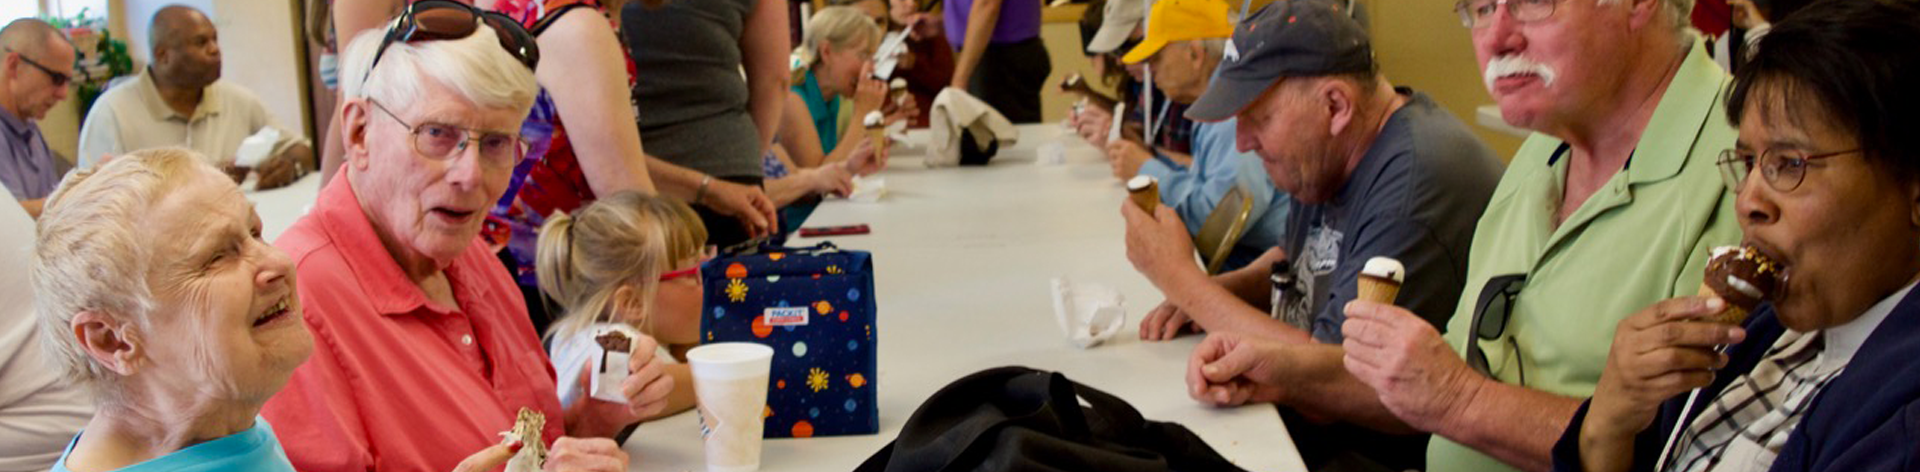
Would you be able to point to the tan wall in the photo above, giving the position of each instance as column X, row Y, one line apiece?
column 61, row 129
column 1421, row 44
column 1063, row 46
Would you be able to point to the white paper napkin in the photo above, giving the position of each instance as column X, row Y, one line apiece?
column 868, row 189
column 1089, row 314
column 254, row 150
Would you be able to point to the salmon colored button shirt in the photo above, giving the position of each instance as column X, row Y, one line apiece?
column 396, row 382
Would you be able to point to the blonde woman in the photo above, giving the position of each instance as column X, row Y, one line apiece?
column 625, row 262
column 835, row 58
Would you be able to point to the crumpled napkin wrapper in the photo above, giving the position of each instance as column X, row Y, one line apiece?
column 868, row 189
column 1089, row 314
column 255, row 149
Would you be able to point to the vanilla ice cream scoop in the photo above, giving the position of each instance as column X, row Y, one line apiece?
column 873, row 119
column 1145, row 191
column 1380, row 279
column 1386, row 268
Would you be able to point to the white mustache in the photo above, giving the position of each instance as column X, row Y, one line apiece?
column 1511, row 65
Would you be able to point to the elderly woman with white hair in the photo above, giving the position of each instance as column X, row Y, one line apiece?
column 424, row 352
column 180, row 339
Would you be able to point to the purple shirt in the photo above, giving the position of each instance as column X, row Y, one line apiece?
column 26, row 164
column 1019, row 21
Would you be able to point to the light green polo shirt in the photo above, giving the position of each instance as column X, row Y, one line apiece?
column 1642, row 238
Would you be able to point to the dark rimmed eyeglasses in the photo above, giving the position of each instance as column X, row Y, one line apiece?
column 1479, row 13
column 1782, row 169
column 59, row 79
column 1490, row 316
column 440, row 20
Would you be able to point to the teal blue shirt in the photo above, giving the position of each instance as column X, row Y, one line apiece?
column 824, row 110
column 255, row 449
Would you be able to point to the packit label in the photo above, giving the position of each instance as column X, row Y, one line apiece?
column 788, row 316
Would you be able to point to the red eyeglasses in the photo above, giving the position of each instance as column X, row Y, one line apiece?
column 706, row 255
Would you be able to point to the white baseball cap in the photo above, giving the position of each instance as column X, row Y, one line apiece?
column 1117, row 23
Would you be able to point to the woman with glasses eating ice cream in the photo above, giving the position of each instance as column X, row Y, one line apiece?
column 1823, row 374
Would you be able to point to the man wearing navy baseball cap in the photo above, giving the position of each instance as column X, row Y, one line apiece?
column 1375, row 170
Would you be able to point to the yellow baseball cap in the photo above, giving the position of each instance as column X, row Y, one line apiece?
column 1181, row 20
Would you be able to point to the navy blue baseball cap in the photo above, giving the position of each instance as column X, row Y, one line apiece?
column 1286, row 38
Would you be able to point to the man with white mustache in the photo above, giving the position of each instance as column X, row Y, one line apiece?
column 1613, row 204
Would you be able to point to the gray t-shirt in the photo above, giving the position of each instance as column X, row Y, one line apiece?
column 689, row 94
column 1416, row 197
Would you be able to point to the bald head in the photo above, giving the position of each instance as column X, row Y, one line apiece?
column 172, row 23
column 36, row 63
column 31, row 36
column 186, row 48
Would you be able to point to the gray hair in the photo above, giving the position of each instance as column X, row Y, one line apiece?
column 1679, row 16
column 1214, row 47
column 476, row 67
column 91, row 255
column 29, row 34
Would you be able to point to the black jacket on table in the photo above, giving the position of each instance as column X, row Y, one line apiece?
column 1867, row 419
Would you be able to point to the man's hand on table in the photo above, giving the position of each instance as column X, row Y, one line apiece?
column 277, row 172
column 1232, row 369
column 1166, row 322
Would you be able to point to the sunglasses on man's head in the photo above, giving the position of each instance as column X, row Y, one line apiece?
column 440, row 20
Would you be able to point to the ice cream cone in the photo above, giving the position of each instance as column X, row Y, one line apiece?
column 1378, row 289
column 1145, row 192
column 1733, row 315
column 876, row 126
column 1380, row 280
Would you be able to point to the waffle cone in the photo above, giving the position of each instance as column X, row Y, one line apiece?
column 1733, row 315
column 878, row 136
column 1147, row 198
column 1378, row 290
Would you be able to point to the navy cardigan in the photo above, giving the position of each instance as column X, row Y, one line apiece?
column 1867, row 419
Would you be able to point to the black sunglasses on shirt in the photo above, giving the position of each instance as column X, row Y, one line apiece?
column 1490, row 316
column 440, row 20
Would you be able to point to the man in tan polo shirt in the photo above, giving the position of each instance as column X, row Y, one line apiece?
column 180, row 101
